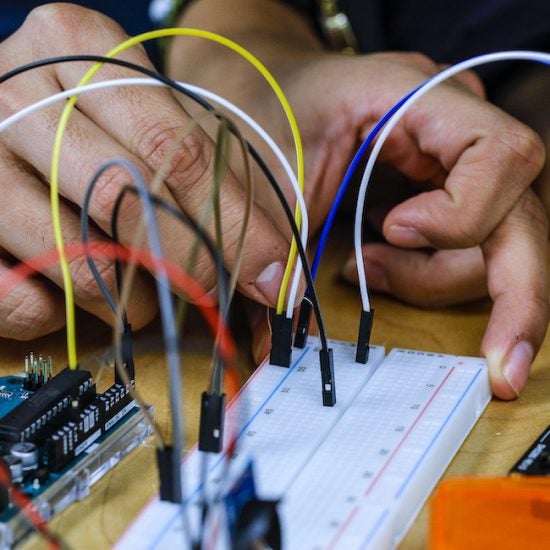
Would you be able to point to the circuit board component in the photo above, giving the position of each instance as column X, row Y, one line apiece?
column 58, row 436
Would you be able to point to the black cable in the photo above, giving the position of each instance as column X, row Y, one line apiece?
column 183, row 217
column 215, row 254
column 296, row 233
column 170, row 334
column 85, row 235
column 205, row 104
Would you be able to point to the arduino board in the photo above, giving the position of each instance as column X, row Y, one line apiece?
column 58, row 436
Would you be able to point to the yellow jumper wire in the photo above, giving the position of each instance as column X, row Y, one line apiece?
column 63, row 122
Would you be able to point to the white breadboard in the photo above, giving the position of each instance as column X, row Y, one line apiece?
column 350, row 476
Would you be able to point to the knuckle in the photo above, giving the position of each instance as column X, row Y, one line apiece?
column 106, row 192
column 422, row 62
column 30, row 315
column 473, row 82
column 534, row 212
column 422, row 294
column 154, row 139
column 47, row 13
column 205, row 272
column 186, row 161
column 461, row 232
column 526, row 148
column 191, row 162
column 55, row 17
column 536, row 303
column 540, row 302
column 74, row 23
column 85, row 286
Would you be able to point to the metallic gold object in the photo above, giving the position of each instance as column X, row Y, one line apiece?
column 336, row 27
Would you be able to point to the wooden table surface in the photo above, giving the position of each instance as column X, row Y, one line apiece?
column 497, row 441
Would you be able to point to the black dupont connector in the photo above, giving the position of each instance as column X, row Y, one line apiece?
column 327, row 377
column 363, row 340
column 211, row 422
column 302, row 330
column 127, row 344
column 281, row 340
column 169, row 465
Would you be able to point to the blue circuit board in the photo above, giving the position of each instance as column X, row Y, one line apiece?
column 102, row 449
column 12, row 393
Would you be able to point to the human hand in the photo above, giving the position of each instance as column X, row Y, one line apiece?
column 481, row 163
column 483, row 223
column 136, row 124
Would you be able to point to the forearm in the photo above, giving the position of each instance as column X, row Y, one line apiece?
column 271, row 30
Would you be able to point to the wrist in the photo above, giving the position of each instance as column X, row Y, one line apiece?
column 272, row 30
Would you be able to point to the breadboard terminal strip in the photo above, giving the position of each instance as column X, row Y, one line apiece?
column 354, row 475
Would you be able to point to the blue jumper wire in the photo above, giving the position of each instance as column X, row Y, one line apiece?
column 349, row 175
column 351, row 171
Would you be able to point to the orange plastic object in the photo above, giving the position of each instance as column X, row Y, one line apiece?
column 491, row 513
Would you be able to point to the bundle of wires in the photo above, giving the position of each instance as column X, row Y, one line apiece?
column 163, row 271
column 149, row 200
column 54, row 174
column 196, row 94
column 111, row 251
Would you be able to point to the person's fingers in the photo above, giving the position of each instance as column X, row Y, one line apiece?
column 143, row 124
column 31, row 309
column 516, row 255
column 25, row 231
column 490, row 159
column 469, row 80
column 85, row 143
column 426, row 279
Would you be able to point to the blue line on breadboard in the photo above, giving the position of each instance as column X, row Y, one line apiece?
column 306, row 450
column 222, row 456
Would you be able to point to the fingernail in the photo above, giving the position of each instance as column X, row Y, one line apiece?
column 406, row 236
column 269, row 280
column 349, row 271
column 517, row 365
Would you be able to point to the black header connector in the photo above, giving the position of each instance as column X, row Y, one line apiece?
column 211, row 422
column 327, row 377
column 363, row 341
column 281, row 340
column 536, row 460
column 304, row 318
column 127, row 351
column 169, row 466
